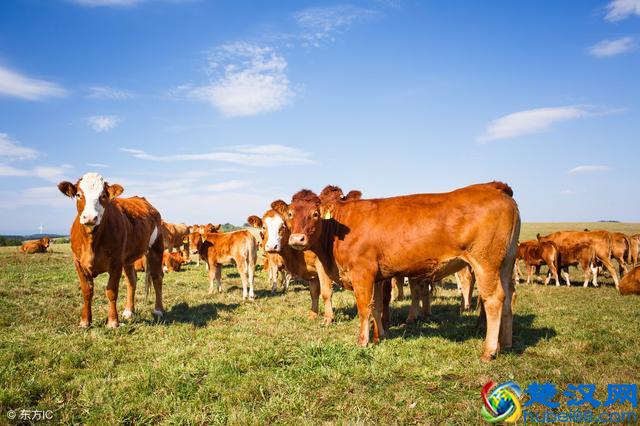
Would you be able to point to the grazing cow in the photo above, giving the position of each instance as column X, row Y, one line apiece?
column 172, row 262
column 35, row 246
column 600, row 240
column 361, row 243
column 108, row 235
column 630, row 283
column 275, row 266
column 173, row 235
column 620, row 246
column 535, row 254
column 217, row 249
column 583, row 254
column 305, row 265
column 634, row 250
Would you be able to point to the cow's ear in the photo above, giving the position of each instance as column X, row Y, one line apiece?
column 68, row 189
column 280, row 207
column 216, row 228
column 114, row 190
column 538, row 236
column 326, row 211
column 255, row 221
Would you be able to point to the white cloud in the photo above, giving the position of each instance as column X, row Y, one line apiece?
column 247, row 155
column 98, row 165
column 589, row 169
column 529, row 121
column 618, row 10
column 606, row 48
column 16, row 85
column 247, row 80
column 106, row 92
column 321, row 24
column 229, row 185
column 12, row 150
column 50, row 173
column 103, row 123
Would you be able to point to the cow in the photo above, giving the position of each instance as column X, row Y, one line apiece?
column 172, row 262
column 35, row 246
column 583, row 254
column 600, row 240
column 217, row 248
column 304, row 265
column 630, row 283
column 634, row 250
column 363, row 242
column 275, row 266
column 397, row 282
column 620, row 251
column 200, row 229
column 173, row 235
column 535, row 254
column 108, row 235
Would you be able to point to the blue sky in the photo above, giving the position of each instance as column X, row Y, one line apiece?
column 212, row 109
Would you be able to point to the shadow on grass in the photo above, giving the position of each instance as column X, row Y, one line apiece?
column 198, row 315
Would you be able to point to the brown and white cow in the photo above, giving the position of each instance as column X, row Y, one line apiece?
column 173, row 235
column 217, row 249
column 600, row 240
column 276, row 269
column 583, row 254
column 363, row 242
column 108, row 235
column 534, row 254
column 630, row 283
column 35, row 246
column 172, row 262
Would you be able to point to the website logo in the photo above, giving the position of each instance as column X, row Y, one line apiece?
column 501, row 402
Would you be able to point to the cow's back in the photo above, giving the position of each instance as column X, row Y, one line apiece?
column 142, row 225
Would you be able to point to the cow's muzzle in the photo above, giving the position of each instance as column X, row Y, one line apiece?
column 299, row 241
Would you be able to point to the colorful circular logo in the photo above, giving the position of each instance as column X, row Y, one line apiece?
column 501, row 402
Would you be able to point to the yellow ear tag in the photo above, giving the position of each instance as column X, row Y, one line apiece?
column 203, row 238
column 327, row 214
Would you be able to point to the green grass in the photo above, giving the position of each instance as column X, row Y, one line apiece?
column 215, row 359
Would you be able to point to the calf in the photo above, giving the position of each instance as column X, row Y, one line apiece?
column 535, row 254
column 173, row 235
column 630, row 283
column 361, row 243
column 36, row 246
column 600, row 240
column 108, row 235
column 217, row 249
column 275, row 266
column 172, row 262
column 583, row 254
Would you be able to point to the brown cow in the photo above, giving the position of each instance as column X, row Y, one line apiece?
column 535, row 254
column 108, row 235
column 217, row 249
column 275, row 266
column 172, row 262
column 634, row 250
column 583, row 254
column 620, row 246
column 600, row 240
column 35, row 246
column 305, row 265
column 173, row 235
column 630, row 283
column 363, row 242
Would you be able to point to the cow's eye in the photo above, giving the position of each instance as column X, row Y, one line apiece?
column 290, row 215
column 316, row 214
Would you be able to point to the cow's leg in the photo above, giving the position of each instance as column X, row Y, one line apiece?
column 86, row 285
column 397, row 282
column 242, row 270
column 387, row 289
column 250, row 276
column 529, row 272
column 363, row 287
column 414, row 287
column 211, row 275
column 607, row 264
column 314, row 289
column 594, row 274
column 273, row 276
column 115, row 273
column 587, row 271
column 154, row 262
column 425, row 298
column 131, row 278
column 326, row 290
column 493, row 299
column 565, row 274
column 466, row 286
column 378, row 307
column 286, row 277
column 516, row 274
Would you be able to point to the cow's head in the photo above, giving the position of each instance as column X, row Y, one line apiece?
column 303, row 217
column 210, row 228
column 46, row 241
column 195, row 240
column 273, row 230
column 92, row 195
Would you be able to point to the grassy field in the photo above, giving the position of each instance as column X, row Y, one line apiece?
column 217, row 360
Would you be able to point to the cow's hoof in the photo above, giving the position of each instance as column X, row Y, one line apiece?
column 486, row 357
column 127, row 314
column 113, row 324
column 84, row 324
column 327, row 320
column 158, row 313
column 312, row 315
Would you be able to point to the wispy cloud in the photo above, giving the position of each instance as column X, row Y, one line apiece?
column 111, row 93
column 606, row 48
column 530, row 121
column 322, row 24
column 50, row 173
column 103, row 123
column 229, row 185
column 589, row 169
column 13, row 84
column 618, row 10
column 247, row 155
column 246, row 80
column 13, row 150
column 98, row 165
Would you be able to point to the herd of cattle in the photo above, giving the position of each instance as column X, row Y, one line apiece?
column 365, row 245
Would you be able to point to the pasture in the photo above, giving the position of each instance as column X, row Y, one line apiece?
column 214, row 359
